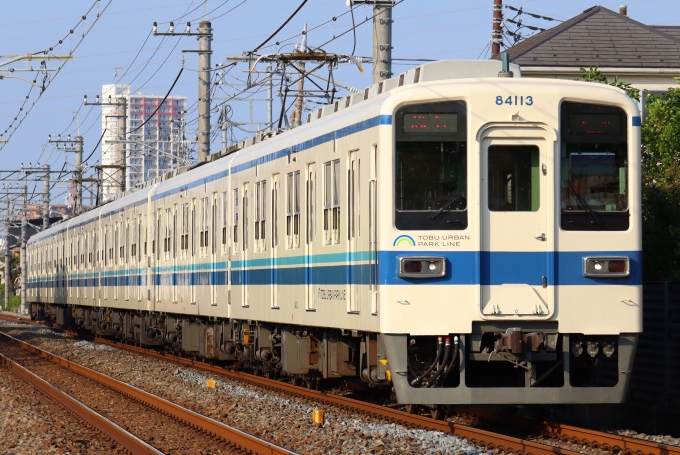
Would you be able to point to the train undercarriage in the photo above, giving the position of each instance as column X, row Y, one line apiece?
column 495, row 364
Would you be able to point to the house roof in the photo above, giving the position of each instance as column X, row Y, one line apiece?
column 600, row 37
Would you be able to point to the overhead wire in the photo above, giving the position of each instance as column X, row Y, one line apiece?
column 281, row 27
column 47, row 80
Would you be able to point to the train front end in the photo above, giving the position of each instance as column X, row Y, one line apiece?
column 510, row 242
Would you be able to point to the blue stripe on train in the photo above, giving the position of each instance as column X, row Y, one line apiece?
column 462, row 268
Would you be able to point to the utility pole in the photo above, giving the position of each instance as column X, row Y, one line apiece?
column 77, row 148
column 120, row 166
column 223, row 126
column 296, row 119
column 46, row 198
column 496, row 37
column 8, row 258
column 204, row 52
column 382, row 36
column 24, row 237
column 270, row 98
column 78, row 177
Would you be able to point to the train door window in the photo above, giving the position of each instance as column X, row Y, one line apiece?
column 235, row 199
column 275, row 210
column 213, row 227
column 225, row 220
column 168, row 233
column 133, row 241
column 128, row 240
column 331, row 211
column 514, row 178
column 353, row 195
column 245, row 217
column 293, row 211
column 157, row 236
column 430, row 184
column 173, row 232
column 184, row 234
column 193, row 229
column 594, row 168
column 260, row 215
column 146, row 235
column 203, row 231
column 311, row 203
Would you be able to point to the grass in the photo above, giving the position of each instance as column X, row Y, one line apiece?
column 14, row 303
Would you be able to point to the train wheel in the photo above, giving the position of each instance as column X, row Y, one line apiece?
column 413, row 409
column 437, row 413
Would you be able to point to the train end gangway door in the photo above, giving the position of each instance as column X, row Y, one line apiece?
column 517, row 221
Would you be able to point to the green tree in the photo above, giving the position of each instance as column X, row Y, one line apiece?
column 661, row 187
column 660, row 178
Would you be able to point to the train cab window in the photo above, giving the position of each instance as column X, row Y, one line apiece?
column 594, row 168
column 514, row 178
column 431, row 166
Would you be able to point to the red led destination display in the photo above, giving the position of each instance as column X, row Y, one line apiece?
column 595, row 124
column 430, row 123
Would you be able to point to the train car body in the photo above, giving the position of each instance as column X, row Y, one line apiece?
column 460, row 237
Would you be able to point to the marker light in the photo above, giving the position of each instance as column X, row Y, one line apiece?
column 606, row 267
column 422, row 267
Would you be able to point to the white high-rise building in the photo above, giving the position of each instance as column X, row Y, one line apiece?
column 149, row 150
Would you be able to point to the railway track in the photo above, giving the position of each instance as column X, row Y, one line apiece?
column 546, row 437
column 140, row 422
column 548, row 432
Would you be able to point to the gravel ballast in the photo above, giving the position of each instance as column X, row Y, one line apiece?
column 279, row 418
column 33, row 423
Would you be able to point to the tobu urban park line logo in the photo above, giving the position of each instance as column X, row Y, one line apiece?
column 404, row 240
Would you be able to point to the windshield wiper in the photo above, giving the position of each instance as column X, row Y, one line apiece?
column 446, row 204
column 583, row 203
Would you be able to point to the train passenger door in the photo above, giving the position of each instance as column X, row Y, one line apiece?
column 213, row 254
column 310, row 218
column 516, row 230
column 275, row 242
column 353, row 199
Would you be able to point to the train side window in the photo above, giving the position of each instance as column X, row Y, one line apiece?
column 593, row 167
column 331, row 211
column 293, row 211
column 430, row 184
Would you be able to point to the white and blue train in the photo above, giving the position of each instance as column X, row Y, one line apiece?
column 460, row 237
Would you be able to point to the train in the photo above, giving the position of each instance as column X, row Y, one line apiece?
column 451, row 235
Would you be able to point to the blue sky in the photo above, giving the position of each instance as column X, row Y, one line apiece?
column 430, row 29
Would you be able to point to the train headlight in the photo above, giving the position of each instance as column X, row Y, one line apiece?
column 606, row 267
column 422, row 267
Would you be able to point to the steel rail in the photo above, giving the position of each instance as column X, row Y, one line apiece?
column 605, row 441
column 479, row 437
column 623, row 445
column 127, row 440
column 233, row 435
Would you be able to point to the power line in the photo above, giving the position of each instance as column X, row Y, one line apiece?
column 161, row 103
column 279, row 29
